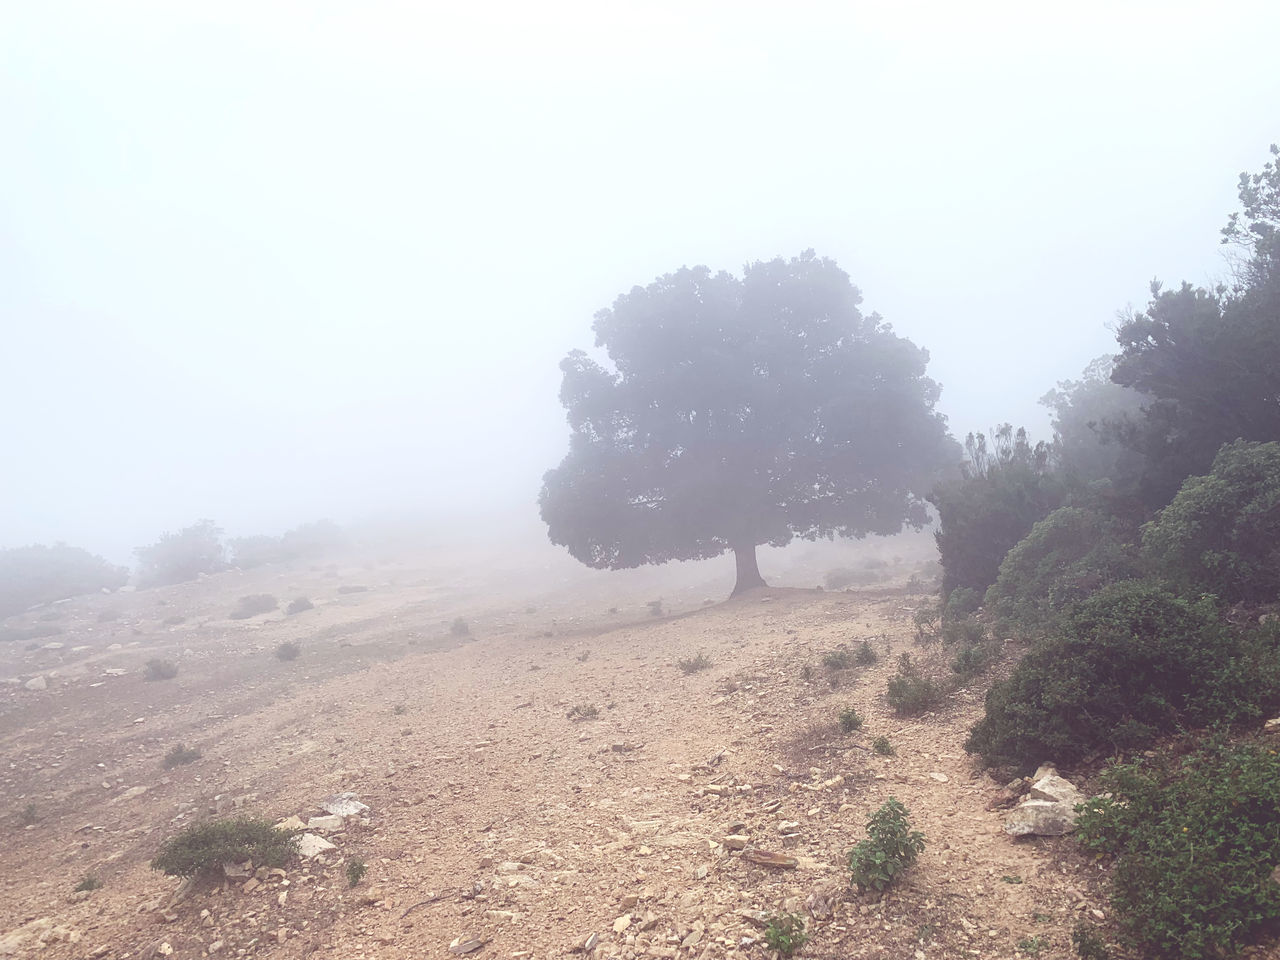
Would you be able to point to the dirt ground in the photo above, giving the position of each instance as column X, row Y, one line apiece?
column 497, row 812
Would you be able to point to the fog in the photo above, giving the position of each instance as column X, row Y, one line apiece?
column 268, row 262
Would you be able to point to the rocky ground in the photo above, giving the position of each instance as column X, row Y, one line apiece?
column 551, row 783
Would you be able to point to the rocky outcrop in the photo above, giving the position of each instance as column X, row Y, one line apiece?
column 1050, row 807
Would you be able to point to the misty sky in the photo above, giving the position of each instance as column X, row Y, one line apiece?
column 265, row 262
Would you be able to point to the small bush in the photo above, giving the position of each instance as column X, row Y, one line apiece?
column 1132, row 662
column 298, row 605
column 850, row 720
column 910, row 692
column 289, row 650
column 890, row 848
column 1089, row 946
column 693, row 664
column 962, row 602
column 27, row 816
column 785, row 933
column 971, row 660
column 866, row 655
column 926, row 621
column 963, row 631
column 158, row 669
column 655, row 608
column 36, row 632
column 356, row 869
column 584, row 711
column 459, row 628
column 399, row 710
column 253, row 605
column 182, row 556
column 1031, row 946
column 838, row 659
column 1195, row 841
column 88, row 882
column 882, row 746
column 39, row 574
column 180, row 754
column 205, row 847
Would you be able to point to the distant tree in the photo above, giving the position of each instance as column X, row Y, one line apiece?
column 182, row 556
column 40, row 574
column 740, row 412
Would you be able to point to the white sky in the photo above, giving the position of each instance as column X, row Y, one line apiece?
column 265, row 262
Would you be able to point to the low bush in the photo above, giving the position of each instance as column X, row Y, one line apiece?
column 890, row 848
column 35, row 632
column 289, row 650
column 459, row 628
column 182, row 556
column 298, row 605
column 1195, row 840
column 253, row 605
column 583, row 711
column 692, row 664
column 158, row 669
column 785, row 933
column 838, row 659
column 40, row 574
column 180, row 754
column 87, row 883
column 866, row 655
column 1133, row 661
column 961, row 602
column 910, row 692
column 972, row 659
column 204, row 847
column 926, row 620
column 356, row 869
column 850, row 720
column 966, row 630
column 882, row 746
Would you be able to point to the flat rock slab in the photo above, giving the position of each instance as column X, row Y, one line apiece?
column 312, row 845
column 1042, row 818
column 343, row 804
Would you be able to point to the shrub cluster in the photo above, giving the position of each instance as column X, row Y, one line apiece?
column 910, row 692
column 253, row 605
column 39, row 574
column 205, row 847
column 890, row 848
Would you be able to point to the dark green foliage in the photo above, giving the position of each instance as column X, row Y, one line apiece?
column 738, row 412
column 1085, row 448
column 180, row 754
column 910, row 692
column 890, row 848
column 289, row 650
column 1195, row 841
column 182, row 556
column 1067, row 556
column 158, row 669
column 356, row 869
column 850, row 720
column 961, row 602
column 972, row 659
column 205, row 847
column 253, row 605
column 927, row 620
column 963, row 631
column 583, row 711
column 1088, row 945
column 88, row 882
column 299, row 605
column 1221, row 533
column 866, row 654
column 785, row 933
column 1002, row 492
column 690, row 665
column 838, row 659
column 1133, row 661
column 882, row 746
column 39, row 574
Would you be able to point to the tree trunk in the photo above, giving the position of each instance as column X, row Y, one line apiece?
column 748, row 572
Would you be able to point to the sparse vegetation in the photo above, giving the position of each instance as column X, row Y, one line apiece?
column 655, row 608
column 882, row 746
column 399, row 710
column 1088, row 944
column 253, row 605
column 850, row 720
column 38, row 574
column 28, row 816
column 182, row 556
column 1032, row 946
column 288, row 650
column 180, row 754
column 299, row 605
column 459, row 628
column 158, row 669
column 87, row 883
column 866, row 655
column 693, row 664
column 838, row 659
column 890, row 848
column 584, row 711
column 205, row 847
column 356, row 869
column 785, row 933
column 910, row 692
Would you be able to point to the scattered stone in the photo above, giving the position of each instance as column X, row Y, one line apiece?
column 1049, row 810
column 311, row 845
column 325, row 824
column 1054, row 787
column 237, row 871
column 757, row 918
column 736, row 841
column 940, row 777
column 36, row 683
column 622, row 923
column 464, row 945
column 767, row 858
column 344, row 805
column 787, row 827
column 1272, row 725
column 587, row 943
column 291, row 823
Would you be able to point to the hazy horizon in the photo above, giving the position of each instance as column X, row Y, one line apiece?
column 274, row 262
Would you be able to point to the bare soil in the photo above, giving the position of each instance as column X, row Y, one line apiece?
column 498, row 814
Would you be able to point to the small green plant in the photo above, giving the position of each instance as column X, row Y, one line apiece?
column 694, row 664
column 866, row 654
column 289, row 650
column 356, row 869
column 882, row 746
column 27, row 816
column 910, row 692
column 460, row 628
column 205, row 847
column 785, row 933
column 971, row 660
column 926, row 623
column 838, row 659
column 1042, row 917
column 806, row 671
column 1032, row 946
column 158, row 669
column 1089, row 946
column 400, row 709
column 890, row 848
column 850, row 720
column 253, row 605
column 584, row 656
column 88, row 882
column 584, row 711
column 299, row 605
column 180, row 754
column 1008, row 879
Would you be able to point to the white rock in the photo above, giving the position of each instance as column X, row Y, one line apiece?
column 1043, row 818
column 325, row 824
column 311, row 845
column 343, row 804
column 36, row 683
column 1054, row 787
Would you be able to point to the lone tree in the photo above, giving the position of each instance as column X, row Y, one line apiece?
column 739, row 412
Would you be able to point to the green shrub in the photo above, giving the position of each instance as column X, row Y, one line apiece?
column 910, row 692
column 692, row 664
column 289, row 650
column 838, row 659
column 1089, row 946
column 205, row 847
column 1133, row 661
column 253, row 605
column 180, row 754
column 926, row 620
column 785, row 933
column 182, row 556
column 39, row 574
column 964, row 630
column 583, row 711
column 158, row 669
column 866, row 655
column 298, row 605
column 1195, row 840
column 88, row 882
column 890, row 848
column 356, row 869
column 882, row 746
column 961, row 602
column 971, row 660
column 850, row 720
column 1068, row 556
column 1221, row 533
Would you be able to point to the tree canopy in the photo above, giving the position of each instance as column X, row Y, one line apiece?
column 735, row 412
